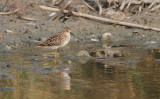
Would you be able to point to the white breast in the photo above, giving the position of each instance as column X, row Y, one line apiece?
column 66, row 41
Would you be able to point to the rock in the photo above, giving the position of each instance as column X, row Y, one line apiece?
column 83, row 53
column 114, row 53
column 115, row 15
column 105, row 65
column 100, row 54
column 93, row 54
column 69, row 62
column 94, row 40
column 118, row 16
column 51, row 15
column 31, row 24
column 106, row 45
column 8, row 47
column 106, row 36
column 82, row 9
column 110, row 12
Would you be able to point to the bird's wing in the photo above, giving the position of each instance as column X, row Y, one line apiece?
column 52, row 41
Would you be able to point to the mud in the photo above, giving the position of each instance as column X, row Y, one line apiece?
column 29, row 33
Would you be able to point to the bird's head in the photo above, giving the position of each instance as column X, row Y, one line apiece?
column 67, row 29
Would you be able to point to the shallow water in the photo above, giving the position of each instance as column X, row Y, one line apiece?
column 33, row 73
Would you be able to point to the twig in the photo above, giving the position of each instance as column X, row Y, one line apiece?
column 140, row 9
column 8, row 13
column 150, row 6
column 27, row 18
column 6, row 3
column 136, row 2
column 123, row 4
column 88, row 5
column 129, row 4
column 155, row 8
column 100, row 7
column 103, row 19
column 61, row 10
column 59, row 1
column 53, row 3
column 67, row 4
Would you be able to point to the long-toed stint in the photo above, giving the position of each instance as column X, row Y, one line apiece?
column 58, row 40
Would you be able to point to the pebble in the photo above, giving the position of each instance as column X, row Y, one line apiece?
column 8, row 47
column 118, row 55
column 106, row 36
column 100, row 54
column 51, row 15
column 31, row 24
column 95, row 40
column 93, row 54
column 115, row 15
column 82, row 9
column 110, row 12
column 69, row 62
column 83, row 53
column 118, row 16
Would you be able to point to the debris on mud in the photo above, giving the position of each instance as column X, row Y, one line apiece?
column 26, row 22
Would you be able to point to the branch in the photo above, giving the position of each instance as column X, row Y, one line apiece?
column 27, row 18
column 88, row 5
column 155, row 8
column 61, row 10
column 100, row 7
column 102, row 19
column 122, row 5
column 151, row 5
column 8, row 13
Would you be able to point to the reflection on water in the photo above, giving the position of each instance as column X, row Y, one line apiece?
column 31, row 74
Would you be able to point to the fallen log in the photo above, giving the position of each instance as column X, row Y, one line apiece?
column 102, row 19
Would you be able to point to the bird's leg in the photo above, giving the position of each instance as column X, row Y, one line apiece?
column 55, row 62
column 55, row 53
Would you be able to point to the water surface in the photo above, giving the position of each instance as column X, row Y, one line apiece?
column 32, row 73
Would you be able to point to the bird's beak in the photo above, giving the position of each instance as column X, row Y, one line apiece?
column 72, row 33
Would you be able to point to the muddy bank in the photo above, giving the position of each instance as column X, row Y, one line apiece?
column 29, row 33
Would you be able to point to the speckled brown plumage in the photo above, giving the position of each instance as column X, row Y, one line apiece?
column 60, row 39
